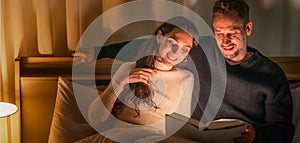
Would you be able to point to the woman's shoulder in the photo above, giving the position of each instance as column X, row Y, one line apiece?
column 185, row 74
column 184, row 71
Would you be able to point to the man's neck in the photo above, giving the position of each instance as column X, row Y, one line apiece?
column 246, row 57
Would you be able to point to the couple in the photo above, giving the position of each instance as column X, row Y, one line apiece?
column 257, row 90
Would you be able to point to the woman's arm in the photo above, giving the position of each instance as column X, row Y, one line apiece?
column 101, row 107
column 186, row 106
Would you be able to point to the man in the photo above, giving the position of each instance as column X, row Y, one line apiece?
column 257, row 90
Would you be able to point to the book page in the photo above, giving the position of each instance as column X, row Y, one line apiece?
column 222, row 131
column 225, row 124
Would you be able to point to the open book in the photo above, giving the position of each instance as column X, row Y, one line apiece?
column 219, row 131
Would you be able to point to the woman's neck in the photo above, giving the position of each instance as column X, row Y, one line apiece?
column 161, row 66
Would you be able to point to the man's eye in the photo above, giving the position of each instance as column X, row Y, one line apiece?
column 219, row 34
column 232, row 35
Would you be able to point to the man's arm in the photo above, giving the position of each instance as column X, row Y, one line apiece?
column 278, row 126
column 111, row 51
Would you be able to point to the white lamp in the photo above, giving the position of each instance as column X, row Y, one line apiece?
column 7, row 109
column 7, row 133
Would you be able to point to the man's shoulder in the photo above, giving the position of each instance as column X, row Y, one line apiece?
column 267, row 62
column 129, row 49
column 269, row 66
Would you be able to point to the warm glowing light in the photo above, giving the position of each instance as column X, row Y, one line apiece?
column 7, row 109
column 267, row 4
column 296, row 3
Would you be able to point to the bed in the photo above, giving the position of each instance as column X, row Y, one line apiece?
column 37, row 86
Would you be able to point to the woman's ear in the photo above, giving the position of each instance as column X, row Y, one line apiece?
column 249, row 28
column 158, row 36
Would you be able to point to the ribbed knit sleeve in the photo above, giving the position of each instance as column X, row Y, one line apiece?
column 258, row 92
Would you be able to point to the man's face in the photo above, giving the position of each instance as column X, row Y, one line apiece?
column 231, row 37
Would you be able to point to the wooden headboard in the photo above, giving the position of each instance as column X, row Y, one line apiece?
column 36, row 86
column 290, row 66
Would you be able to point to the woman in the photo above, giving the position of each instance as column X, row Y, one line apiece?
column 143, row 92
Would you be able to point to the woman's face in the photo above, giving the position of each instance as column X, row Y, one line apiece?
column 174, row 46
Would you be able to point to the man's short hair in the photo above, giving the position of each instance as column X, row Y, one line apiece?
column 232, row 8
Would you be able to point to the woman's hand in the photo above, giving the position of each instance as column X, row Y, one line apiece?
column 247, row 137
column 138, row 75
column 83, row 57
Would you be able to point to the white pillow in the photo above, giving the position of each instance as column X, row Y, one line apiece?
column 68, row 124
column 295, row 91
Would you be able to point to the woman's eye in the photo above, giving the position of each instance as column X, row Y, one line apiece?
column 185, row 49
column 171, row 43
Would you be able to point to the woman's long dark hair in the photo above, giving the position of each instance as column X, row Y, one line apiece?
column 142, row 91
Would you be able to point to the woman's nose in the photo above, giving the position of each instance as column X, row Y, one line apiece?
column 174, row 48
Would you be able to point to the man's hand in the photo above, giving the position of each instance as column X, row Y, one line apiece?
column 246, row 137
column 83, row 57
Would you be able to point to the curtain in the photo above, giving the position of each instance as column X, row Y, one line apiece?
column 47, row 28
column 276, row 23
column 40, row 28
column 37, row 28
column 291, row 30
